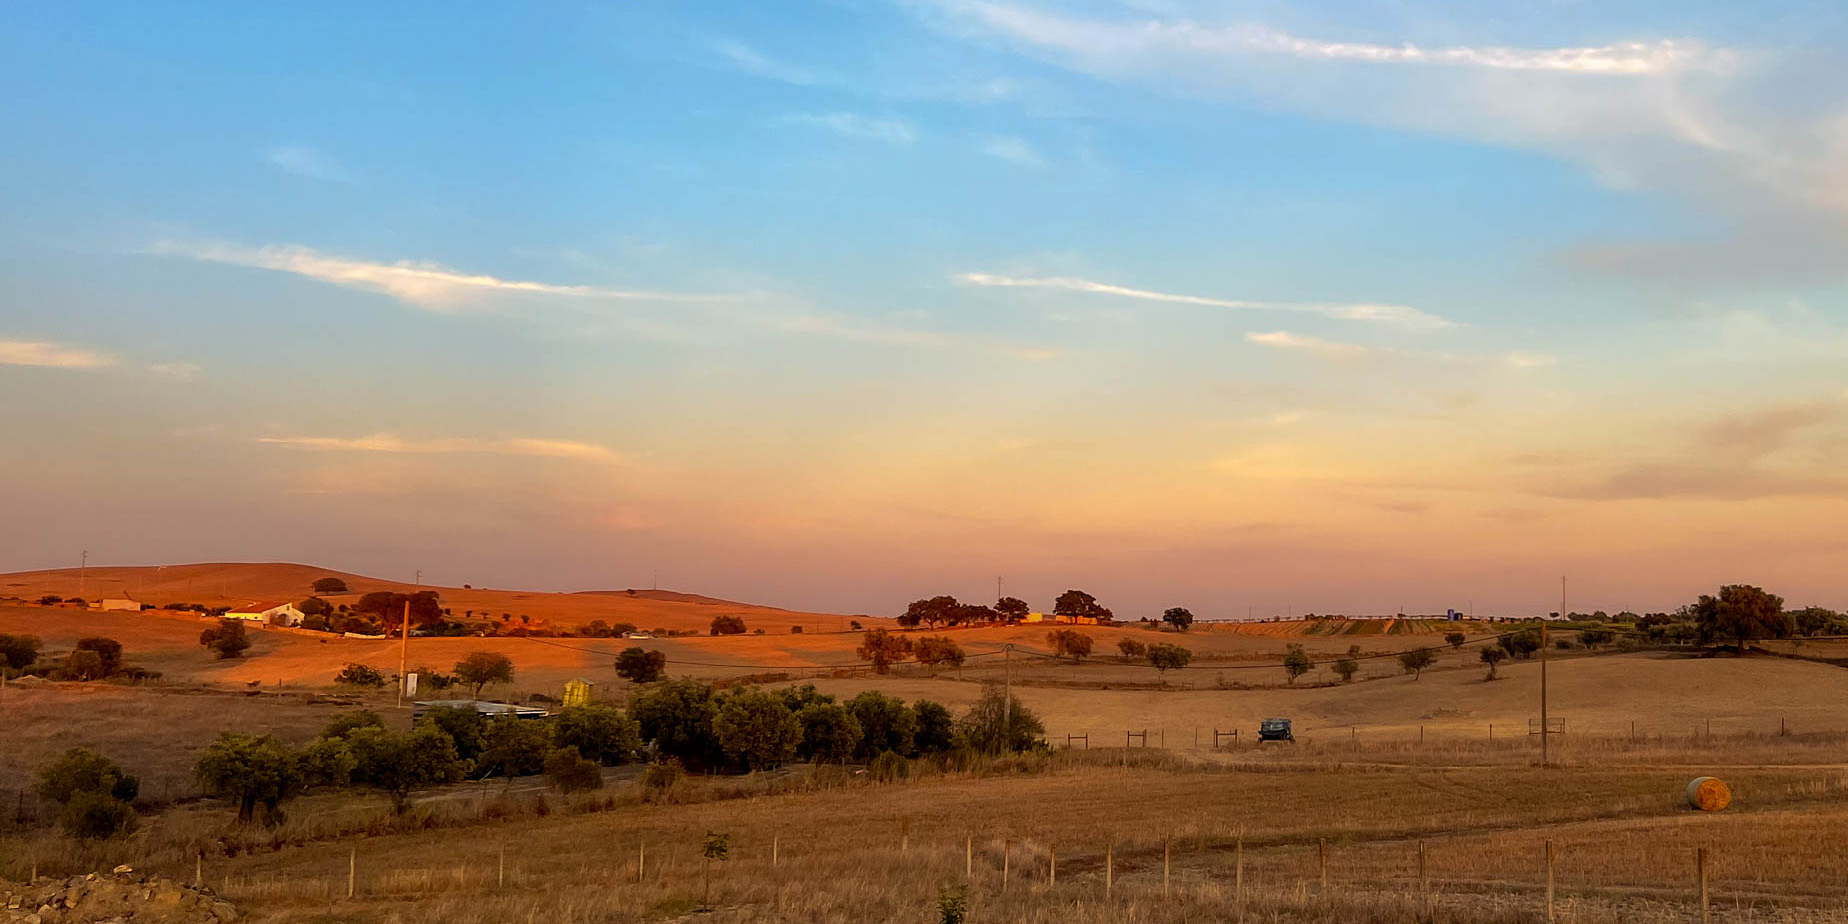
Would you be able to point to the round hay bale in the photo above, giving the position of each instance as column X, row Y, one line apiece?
column 1708, row 794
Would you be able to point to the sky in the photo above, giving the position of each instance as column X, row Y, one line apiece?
column 1251, row 307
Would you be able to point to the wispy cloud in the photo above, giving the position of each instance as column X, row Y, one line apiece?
column 1347, row 311
column 751, row 61
column 390, row 443
column 1327, row 349
column 51, row 355
column 306, row 162
column 857, row 127
column 421, row 283
column 1015, row 151
column 176, row 370
column 1155, row 37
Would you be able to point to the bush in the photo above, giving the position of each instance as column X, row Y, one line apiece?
column 598, row 733
column 677, row 716
column 464, row 725
column 81, row 665
column 936, row 728
column 50, row 600
column 885, row 724
column 19, row 651
column 795, row 630
column 888, row 767
column 569, row 772
column 108, row 651
column 81, row 770
column 1522, row 644
column 1346, row 668
column 728, row 625
column 399, row 762
column 315, row 606
column 356, row 674
column 997, row 724
column 346, row 723
column 95, row 815
column 1456, row 639
column 662, row 775
column 514, row 747
column 327, row 762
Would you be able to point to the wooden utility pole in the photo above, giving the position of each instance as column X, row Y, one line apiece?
column 404, row 652
column 1549, row 882
column 1007, row 695
column 1546, row 731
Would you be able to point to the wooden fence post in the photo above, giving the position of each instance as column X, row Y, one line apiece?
column 500, row 876
column 1109, row 867
column 1166, row 854
column 904, row 835
column 1324, row 850
column 775, row 853
column 1549, row 882
column 1007, row 849
column 1700, row 862
column 1052, row 865
column 641, row 860
column 198, row 869
column 352, row 870
column 969, row 858
column 1238, row 875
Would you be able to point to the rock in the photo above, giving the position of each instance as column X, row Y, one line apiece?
column 123, row 870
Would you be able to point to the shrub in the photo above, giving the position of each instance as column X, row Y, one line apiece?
column 514, row 747
column 327, row 762
column 346, row 723
column 81, row 665
column 885, row 723
column 599, row 733
column 227, row 639
column 95, row 815
column 315, row 606
column 1346, row 668
column 662, row 775
column 50, row 600
column 356, row 674
column 481, row 668
column 888, row 767
column 463, row 724
column 952, row 904
column 639, row 665
column 728, row 625
column 81, row 770
column 569, row 772
column 1456, row 639
column 19, row 651
column 108, row 651
column 1521, row 644
column 795, row 630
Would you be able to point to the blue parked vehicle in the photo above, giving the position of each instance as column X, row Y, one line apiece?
column 1275, row 730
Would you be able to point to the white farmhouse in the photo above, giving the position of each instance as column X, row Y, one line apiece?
column 267, row 611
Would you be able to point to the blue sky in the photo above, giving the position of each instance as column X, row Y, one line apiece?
column 836, row 304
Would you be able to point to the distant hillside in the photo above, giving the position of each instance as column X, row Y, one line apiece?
column 238, row 583
column 673, row 596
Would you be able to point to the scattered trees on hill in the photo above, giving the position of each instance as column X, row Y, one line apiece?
column 227, row 640
column 934, row 650
column 1012, row 609
column 1165, row 658
column 1069, row 643
column 255, row 773
column 1179, row 617
column 481, row 668
column 1493, row 656
column 1296, row 662
column 330, row 585
column 1076, row 604
column 728, row 625
column 1810, row 620
column 1415, row 661
column 93, row 793
column 929, row 613
column 387, row 608
column 1741, row 613
column 883, row 649
column 640, row 665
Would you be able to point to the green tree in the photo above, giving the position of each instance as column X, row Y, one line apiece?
column 254, row 773
column 1520, row 645
column 328, row 762
column 1742, row 613
column 830, row 733
column 757, row 730
column 19, row 651
column 569, row 772
column 640, row 665
column 1076, row 604
column 1069, row 643
column 883, row 649
column 481, row 668
column 1415, row 661
column 1180, row 617
column 1012, row 609
column 83, row 770
column 728, row 625
column 1296, row 662
column 330, row 585
column 397, row 763
column 96, row 815
column 315, row 606
column 514, row 747
column 1456, row 639
column 82, row 664
column 600, row 733
column 1165, row 658
column 108, row 651
column 1346, row 668
column 999, row 723
column 387, row 608
column 1132, row 648
column 1592, row 638
column 464, row 725
column 227, row 640
column 930, row 613
column 934, row 650
column 677, row 716
column 886, row 724
column 346, row 723
column 936, row 730
column 1493, row 656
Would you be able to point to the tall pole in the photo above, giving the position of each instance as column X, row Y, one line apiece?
column 1546, row 731
column 404, row 645
column 83, row 574
column 1007, row 697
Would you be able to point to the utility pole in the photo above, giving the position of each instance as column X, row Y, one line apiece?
column 404, row 646
column 1007, row 694
column 1546, row 731
column 998, row 592
column 83, row 574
